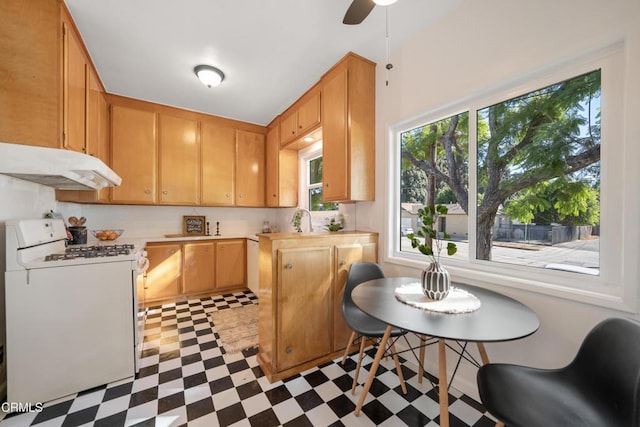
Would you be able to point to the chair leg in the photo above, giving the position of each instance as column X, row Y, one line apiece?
column 398, row 368
column 346, row 350
column 423, row 340
column 355, row 376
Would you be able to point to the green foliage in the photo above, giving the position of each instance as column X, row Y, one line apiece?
column 429, row 216
column 413, row 186
column 446, row 196
column 561, row 201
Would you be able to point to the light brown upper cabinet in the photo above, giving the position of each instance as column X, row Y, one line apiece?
column 348, row 130
column 301, row 118
column 97, row 141
column 179, row 153
column 282, row 171
column 74, row 89
column 250, row 168
column 218, row 164
column 134, row 154
column 30, row 37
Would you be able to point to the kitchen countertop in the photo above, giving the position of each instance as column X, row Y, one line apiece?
column 142, row 241
column 314, row 235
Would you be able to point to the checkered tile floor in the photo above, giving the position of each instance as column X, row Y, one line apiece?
column 186, row 379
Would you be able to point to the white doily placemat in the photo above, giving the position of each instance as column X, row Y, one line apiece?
column 457, row 301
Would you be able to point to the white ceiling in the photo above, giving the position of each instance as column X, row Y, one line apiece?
column 271, row 51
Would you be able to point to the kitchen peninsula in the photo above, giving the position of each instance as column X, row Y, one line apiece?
column 302, row 280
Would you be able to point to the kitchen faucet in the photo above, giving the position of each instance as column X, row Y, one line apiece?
column 302, row 211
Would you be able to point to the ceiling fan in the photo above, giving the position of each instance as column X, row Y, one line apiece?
column 360, row 9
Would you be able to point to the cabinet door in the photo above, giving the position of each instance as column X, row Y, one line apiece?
column 250, row 174
column 309, row 113
column 272, row 190
column 164, row 275
column 133, row 154
column 98, row 127
column 199, row 267
column 179, row 153
column 334, row 137
column 231, row 263
column 345, row 256
column 304, row 305
column 74, row 94
column 30, row 78
column 288, row 127
column 218, row 164
column 97, row 142
column 281, row 172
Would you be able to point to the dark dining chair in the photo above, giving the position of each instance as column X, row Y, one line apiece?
column 599, row 388
column 364, row 327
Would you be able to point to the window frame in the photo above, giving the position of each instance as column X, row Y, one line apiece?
column 609, row 288
column 305, row 156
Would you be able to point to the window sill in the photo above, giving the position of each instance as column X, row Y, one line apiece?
column 598, row 294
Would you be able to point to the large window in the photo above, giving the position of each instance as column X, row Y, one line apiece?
column 529, row 186
column 434, row 159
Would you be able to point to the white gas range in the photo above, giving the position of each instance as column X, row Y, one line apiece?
column 71, row 312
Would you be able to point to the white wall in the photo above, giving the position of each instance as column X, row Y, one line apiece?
column 479, row 46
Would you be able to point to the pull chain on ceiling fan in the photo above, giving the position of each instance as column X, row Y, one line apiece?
column 389, row 65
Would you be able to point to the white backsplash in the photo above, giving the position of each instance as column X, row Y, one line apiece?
column 153, row 221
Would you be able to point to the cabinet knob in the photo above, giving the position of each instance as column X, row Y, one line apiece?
column 288, row 266
column 274, row 194
column 228, row 195
column 343, row 263
column 293, row 132
column 165, row 192
column 326, row 184
column 288, row 349
column 147, row 191
column 241, row 195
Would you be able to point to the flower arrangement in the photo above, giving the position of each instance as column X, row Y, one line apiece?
column 334, row 223
column 429, row 215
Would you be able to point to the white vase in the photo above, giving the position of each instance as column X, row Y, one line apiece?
column 436, row 281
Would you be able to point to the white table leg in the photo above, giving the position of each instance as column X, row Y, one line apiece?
column 374, row 367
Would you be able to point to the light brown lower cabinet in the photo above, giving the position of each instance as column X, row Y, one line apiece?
column 302, row 279
column 199, row 267
column 182, row 269
column 231, row 264
column 164, row 275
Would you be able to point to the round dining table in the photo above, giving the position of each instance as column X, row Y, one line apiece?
column 498, row 318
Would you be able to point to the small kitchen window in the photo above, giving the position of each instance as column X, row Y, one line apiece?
column 311, row 178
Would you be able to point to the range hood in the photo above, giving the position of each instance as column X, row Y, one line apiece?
column 57, row 168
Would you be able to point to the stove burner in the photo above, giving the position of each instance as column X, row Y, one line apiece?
column 92, row 252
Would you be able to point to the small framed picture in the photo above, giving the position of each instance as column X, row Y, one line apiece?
column 193, row 225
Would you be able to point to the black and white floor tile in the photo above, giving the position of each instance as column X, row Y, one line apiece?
column 186, row 379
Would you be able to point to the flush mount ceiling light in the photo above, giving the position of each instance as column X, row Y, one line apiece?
column 384, row 2
column 208, row 75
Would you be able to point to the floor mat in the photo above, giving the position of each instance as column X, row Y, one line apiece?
column 237, row 327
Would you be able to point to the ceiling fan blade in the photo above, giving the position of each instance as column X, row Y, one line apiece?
column 358, row 10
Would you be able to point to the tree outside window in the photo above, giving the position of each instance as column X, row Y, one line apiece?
column 538, row 170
